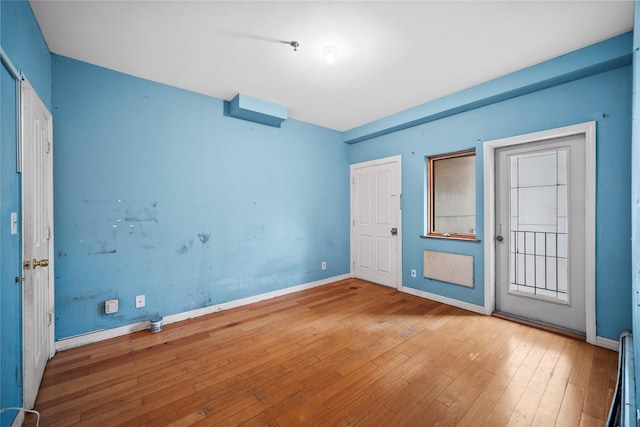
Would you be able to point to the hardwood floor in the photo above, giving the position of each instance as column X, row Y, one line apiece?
column 348, row 353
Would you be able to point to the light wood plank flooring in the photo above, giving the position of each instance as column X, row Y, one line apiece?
column 348, row 353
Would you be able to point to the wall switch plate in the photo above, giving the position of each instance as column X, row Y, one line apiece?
column 413, row 272
column 111, row 306
column 324, row 265
column 14, row 222
column 140, row 302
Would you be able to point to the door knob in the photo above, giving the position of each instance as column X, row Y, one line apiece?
column 41, row 263
column 28, row 265
column 499, row 238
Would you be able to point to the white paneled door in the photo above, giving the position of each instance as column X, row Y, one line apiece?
column 376, row 221
column 540, row 231
column 37, row 214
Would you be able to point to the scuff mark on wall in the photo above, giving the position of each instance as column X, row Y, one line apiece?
column 185, row 248
column 131, row 211
column 84, row 297
column 104, row 246
column 112, row 251
column 204, row 238
column 140, row 212
column 132, row 216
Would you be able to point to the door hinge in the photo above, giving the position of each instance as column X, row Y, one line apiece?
column 50, row 319
column 353, row 263
column 353, row 181
column 400, row 201
column 48, row 233
column 48, row 147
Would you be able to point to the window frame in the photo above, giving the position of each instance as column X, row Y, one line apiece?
column 431, row 232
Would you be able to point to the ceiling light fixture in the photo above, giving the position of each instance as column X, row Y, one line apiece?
column 295, row 45
column 330, row 54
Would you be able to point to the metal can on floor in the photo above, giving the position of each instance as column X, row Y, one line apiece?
column 156, row 324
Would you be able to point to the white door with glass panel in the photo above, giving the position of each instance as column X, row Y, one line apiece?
column 375, row 221
column 540, row 231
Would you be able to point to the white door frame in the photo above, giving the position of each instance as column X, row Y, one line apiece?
column 393, row 159
column 28, row 393
column 587, row 129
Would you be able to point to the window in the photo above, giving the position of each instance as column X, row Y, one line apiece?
column 451, row 187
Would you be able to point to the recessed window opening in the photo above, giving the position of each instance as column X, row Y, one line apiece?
column 451, row 187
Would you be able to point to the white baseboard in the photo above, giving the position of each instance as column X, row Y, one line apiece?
column 18, row 420
column 608, row 343
column 445, row 300
column 105, row 334
column 250, row 300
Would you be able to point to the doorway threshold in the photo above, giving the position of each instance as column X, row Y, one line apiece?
column 540, row 325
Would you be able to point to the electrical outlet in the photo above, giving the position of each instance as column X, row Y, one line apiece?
column 413, row 272
column 324, row 265
column 140, row 301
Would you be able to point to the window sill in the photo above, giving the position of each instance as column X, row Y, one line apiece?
column 463, row 239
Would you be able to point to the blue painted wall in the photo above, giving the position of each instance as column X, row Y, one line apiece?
column 635, row 200
column 24, row 43
column 2, row 239
column 158, row 193
column 21, row 38
column 605, row 98
column 2, row 192
column 10, row 291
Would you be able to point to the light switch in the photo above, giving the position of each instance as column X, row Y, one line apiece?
column 111, row 306
column 14, row 223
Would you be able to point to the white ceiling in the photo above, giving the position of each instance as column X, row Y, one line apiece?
column 391, row 55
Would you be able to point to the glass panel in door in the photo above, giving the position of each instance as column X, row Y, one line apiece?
column 538, row 225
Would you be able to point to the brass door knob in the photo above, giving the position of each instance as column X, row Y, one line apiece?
column 41, row 263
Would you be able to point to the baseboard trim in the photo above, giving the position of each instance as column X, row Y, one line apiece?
column 18, row 420
column 105, row 334
column 608, row 343
column 445, row 300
